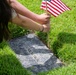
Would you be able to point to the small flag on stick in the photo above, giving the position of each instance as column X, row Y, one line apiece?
column 54, row 7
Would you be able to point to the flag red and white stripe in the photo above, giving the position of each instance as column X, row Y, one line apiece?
column 55, row 7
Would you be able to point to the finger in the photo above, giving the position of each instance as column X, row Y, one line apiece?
column 47, row 21
column 48, row 16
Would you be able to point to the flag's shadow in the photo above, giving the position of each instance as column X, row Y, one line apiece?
column 63, row 38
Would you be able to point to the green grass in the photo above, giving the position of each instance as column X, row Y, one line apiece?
column 17, row 31
column 61, row 39
column 69, row 70
column 9, row 64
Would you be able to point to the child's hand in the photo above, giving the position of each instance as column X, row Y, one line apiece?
column 46, row 27
column 43, row 18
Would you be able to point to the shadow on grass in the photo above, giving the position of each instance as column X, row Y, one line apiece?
column 43, row 37
column 63, row 38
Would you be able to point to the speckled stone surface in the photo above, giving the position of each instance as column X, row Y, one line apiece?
column 33, row 54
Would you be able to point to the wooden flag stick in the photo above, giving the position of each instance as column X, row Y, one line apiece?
column 47, row 33
column 46, row 7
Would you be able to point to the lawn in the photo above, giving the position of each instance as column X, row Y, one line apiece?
column 61, row 39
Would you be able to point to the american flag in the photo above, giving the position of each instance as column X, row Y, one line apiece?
column 55, row 7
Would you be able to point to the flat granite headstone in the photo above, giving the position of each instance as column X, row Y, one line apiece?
column 33, row 54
